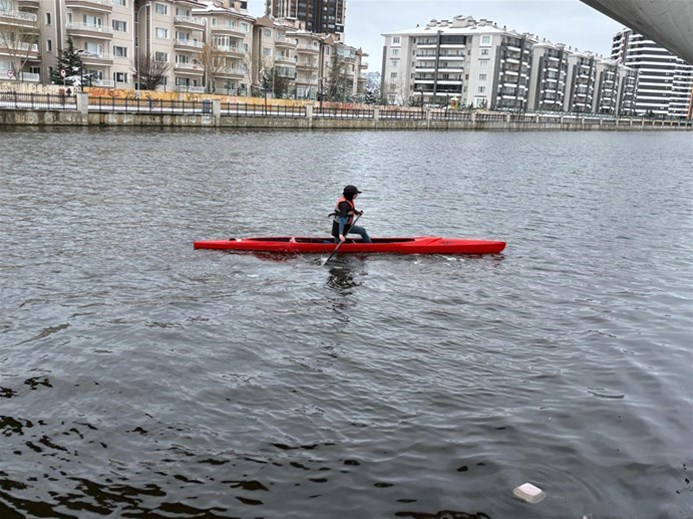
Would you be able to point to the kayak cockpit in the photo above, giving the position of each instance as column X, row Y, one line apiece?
column 327, row 239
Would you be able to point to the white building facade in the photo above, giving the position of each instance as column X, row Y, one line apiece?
column 665, row 82
column 482, row 65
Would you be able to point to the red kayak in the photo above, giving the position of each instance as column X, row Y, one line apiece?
column 299, row 245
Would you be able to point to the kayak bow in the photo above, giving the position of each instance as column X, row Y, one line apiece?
column 306, row 245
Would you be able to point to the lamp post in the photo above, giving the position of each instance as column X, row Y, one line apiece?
column 321, row 86
column 137, row 50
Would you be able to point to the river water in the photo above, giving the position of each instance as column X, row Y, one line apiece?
column 141, row 378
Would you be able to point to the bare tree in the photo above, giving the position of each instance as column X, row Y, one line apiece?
column 338, row 88
column 212, row 61
column 19, row 42
column 151, row 72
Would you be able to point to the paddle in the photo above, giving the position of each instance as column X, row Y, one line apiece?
column 340, row 243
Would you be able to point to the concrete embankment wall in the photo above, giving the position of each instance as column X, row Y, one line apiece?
column 19, row 117
column 68, row 118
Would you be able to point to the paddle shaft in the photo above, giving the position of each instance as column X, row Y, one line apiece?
column 340, row 242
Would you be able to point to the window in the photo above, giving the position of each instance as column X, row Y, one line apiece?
column 120, row 2
column 120, row 26
column 120, row 77
column 48, row 18
column 162, row 33
column 481, row 89
column 182, row 12
column 266, row 52
column 268, row 33
column 484, row 52
column 49, row 45
column 482, row 77
column 394, row 52
column 393, row 75
column 486, row 40
column 244, row 27
column 120, row 52
column 93, row 49
column 483, row 63
column 161, row 57
column 92, row 21
column 395, row 40
column 161, row 8
column 182, row 58
column 394, row 63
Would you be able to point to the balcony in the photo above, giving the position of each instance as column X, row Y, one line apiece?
column 284, row 60
column 97, row 58
column 285, row 42
column 231, row 72
column 103, row 6
column 188, row 68
column 29, row 4
column 89, row 30
column 228, row 28
column 30, row 50
column 231, row 49
column 189, row 22
column 108, row 83
column 29, row 77
column 19, row 19
column 306, row 66
column 186, row 44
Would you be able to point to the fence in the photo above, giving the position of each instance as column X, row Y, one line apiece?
column 216, row 110
column 261, row 110
column 149, row 106
column 344, row 113
column 16, row 100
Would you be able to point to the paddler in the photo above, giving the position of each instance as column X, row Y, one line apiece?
column 344, row 212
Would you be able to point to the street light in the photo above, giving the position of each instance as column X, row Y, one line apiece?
column 321, row 85
column 137, row 50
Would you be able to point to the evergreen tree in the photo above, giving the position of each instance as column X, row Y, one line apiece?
column 69, row 60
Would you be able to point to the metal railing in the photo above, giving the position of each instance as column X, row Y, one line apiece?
column 15, row 100
column 261, row 110
column 398, row 113
column 343, row 113
column 108, row 104
column 149, row 106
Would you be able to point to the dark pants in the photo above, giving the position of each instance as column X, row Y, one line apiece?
column 351, row 229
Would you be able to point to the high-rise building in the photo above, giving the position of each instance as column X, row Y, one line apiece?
column 319, row 16
column 665, row 82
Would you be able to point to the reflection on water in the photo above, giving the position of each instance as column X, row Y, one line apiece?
column 142, row 378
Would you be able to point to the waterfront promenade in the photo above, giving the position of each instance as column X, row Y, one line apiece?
column 17, row 109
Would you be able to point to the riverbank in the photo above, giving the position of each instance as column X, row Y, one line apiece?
column 84, row 110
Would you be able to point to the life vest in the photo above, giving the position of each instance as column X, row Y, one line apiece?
column 350, row 214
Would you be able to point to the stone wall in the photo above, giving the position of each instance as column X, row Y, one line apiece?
column 81, row 117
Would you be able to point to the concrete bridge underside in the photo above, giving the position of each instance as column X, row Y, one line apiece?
column 666, row 22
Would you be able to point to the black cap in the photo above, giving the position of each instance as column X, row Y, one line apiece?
column 351, row 190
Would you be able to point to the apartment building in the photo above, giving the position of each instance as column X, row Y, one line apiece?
column 19, row 40
column 226, row 62
column 473, row 62
column 318, row 16
column 193, row 46
column 308, row 64
column 273, row 51
column 479, row 64
column 549, row 77
column 665, row 82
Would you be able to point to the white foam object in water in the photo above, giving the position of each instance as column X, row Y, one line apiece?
column 529, row 493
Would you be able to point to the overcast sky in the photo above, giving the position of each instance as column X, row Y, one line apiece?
column 560, row 21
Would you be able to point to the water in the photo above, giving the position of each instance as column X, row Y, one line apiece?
column 141, row 378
